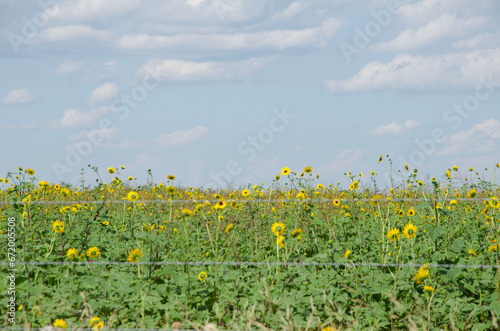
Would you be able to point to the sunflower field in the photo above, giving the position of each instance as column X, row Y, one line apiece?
column 422, row 254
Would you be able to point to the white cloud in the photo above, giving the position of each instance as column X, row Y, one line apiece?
column 420, row 12
column 481, row 139
column 181, row 137
column 71, row 32
column 291, row 11
column 17, row 97
column 73, row 118
column 194, row 3
column 431, row 72
column 102, row 135
column 342, row 160
column 394, row 129
column 110, row 65
column 276, row 39
column 488, row 40
column 178, row 70
column 67, row 67
column 103, row 93
column 80, row 10
column 448, row 25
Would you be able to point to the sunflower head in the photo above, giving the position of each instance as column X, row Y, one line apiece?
column 278, row 229
column 202, row 276
column 285, row 171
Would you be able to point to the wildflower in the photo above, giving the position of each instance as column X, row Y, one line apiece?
column 493, row 248
column 130, row 178
column 296, row 233
column 347, row 253
column 43, row 184
column 94, row 321
column 81, row 257
column 410, row 231
column 406, row 167
column 472, row 252
column 471, row 194
column 308, row 170
column 228, row 228
column 455, row 168
column 30, row 172
column 186, row 212
column 221, row 204
column 411, row 212
column 329, row 328
column 379, row 159
column 448, row 173
column 58, row 227
column 60, row 323
column 428, row 288
column 285, row 171
column 150, row 227
column 171, row 177
column 494, row 203
column 393, row 234
column 111, row 170
column 245, row 192
column 280, row 241
column 319, row 186
column 202, row 276
column 278, row 229
column 372, row 173
column 277, row 177
column 105, row 223
column 93, row 252
column 336, row 202
column 421, row 274
column 132, row 196
column 134, row 255
column 471, row 169
column 72, row 253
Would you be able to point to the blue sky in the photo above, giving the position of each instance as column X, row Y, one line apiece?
column 231, row 91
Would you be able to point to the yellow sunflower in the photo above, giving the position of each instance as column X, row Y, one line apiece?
column 410, row 231
column 60, row 323
column 393, row 234
column 58, row 227
column 285, row 171
column 421, row 274
column 278, row 229
column 134, row 255
column 202, row 276
column 132, row 196
column 93, row 252
column 72, row 253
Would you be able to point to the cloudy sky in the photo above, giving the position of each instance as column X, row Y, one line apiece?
column 231, row 91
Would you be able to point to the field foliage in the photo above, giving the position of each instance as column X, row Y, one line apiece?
column 405, row 231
